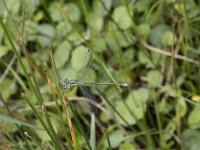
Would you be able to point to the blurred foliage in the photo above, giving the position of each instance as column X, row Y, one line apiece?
column 132, row 38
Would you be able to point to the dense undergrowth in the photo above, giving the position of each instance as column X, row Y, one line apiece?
column 151, row 45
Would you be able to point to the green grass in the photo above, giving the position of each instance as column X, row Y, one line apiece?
column 151, row 45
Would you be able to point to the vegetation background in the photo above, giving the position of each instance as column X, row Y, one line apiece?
column 151, row 45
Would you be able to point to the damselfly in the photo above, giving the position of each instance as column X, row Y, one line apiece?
column 74, row 82
column 67, row 84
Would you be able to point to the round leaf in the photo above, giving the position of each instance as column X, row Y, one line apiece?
column 156, row 34
column 80, row 57
column 143, row 30
column 142, row 94
column 122, row 18
column 3, row 50
column 98, row 8
column 99, row 44
column 88, row 75
column 46, row 33
column 68, row 72
column 194, row 119
column 155, row 77
column 168, row 39
column 137, row 107
column 181, row 107
column 8, row 87
column 62, row 53
column 144, row 59
column 63, row 28
column 71, row 9
column 95, row 22
column 115, row 138
column 46, row 30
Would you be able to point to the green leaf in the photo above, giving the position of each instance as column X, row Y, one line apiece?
column 68, row 72
column 155, row 59
column 38, row 16
column 181, row 107
column 155, row 77
column 143, row 30
column 31, row 7
column 3, row 50
column 127, row 146
column 180, row 80
column 30, row 30
column 98, row 8
column 9, row 127
column 141, row 94
column 75, row 36
column 169, row 129
column 169, row 90
column 126, row 39
column 94, row 22
column 46, row 33
column 104, row 117
column 144, row 59
column 87, row 75
column 8, row 87
column 111, row 42
column 41, row 57
column 80, row 57
column 42, row 134
column 62, row 53
column 141, row 6
column 63, row 28
column 71, row 9
column 55, row 13
column 168, row 38
column 190, row 139
column 179, row 7
column 116, row 137
column 194, row 119
column 136, row 105
column 13, row 6
column 47, row 30
column 157, row 33
column 99, row 44
column 164, row 106
column 120, row 15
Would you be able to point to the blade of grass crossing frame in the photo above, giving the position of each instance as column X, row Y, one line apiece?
column 93, row 132
column 59, row 112
column 65, row 103
column 42, row 121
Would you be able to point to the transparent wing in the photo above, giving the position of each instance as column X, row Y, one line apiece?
column 88, row 94
column 87, row 73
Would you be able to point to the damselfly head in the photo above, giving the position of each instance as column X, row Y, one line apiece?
column 65, row 83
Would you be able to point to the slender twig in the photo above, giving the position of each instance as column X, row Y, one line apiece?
column 163, row 52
